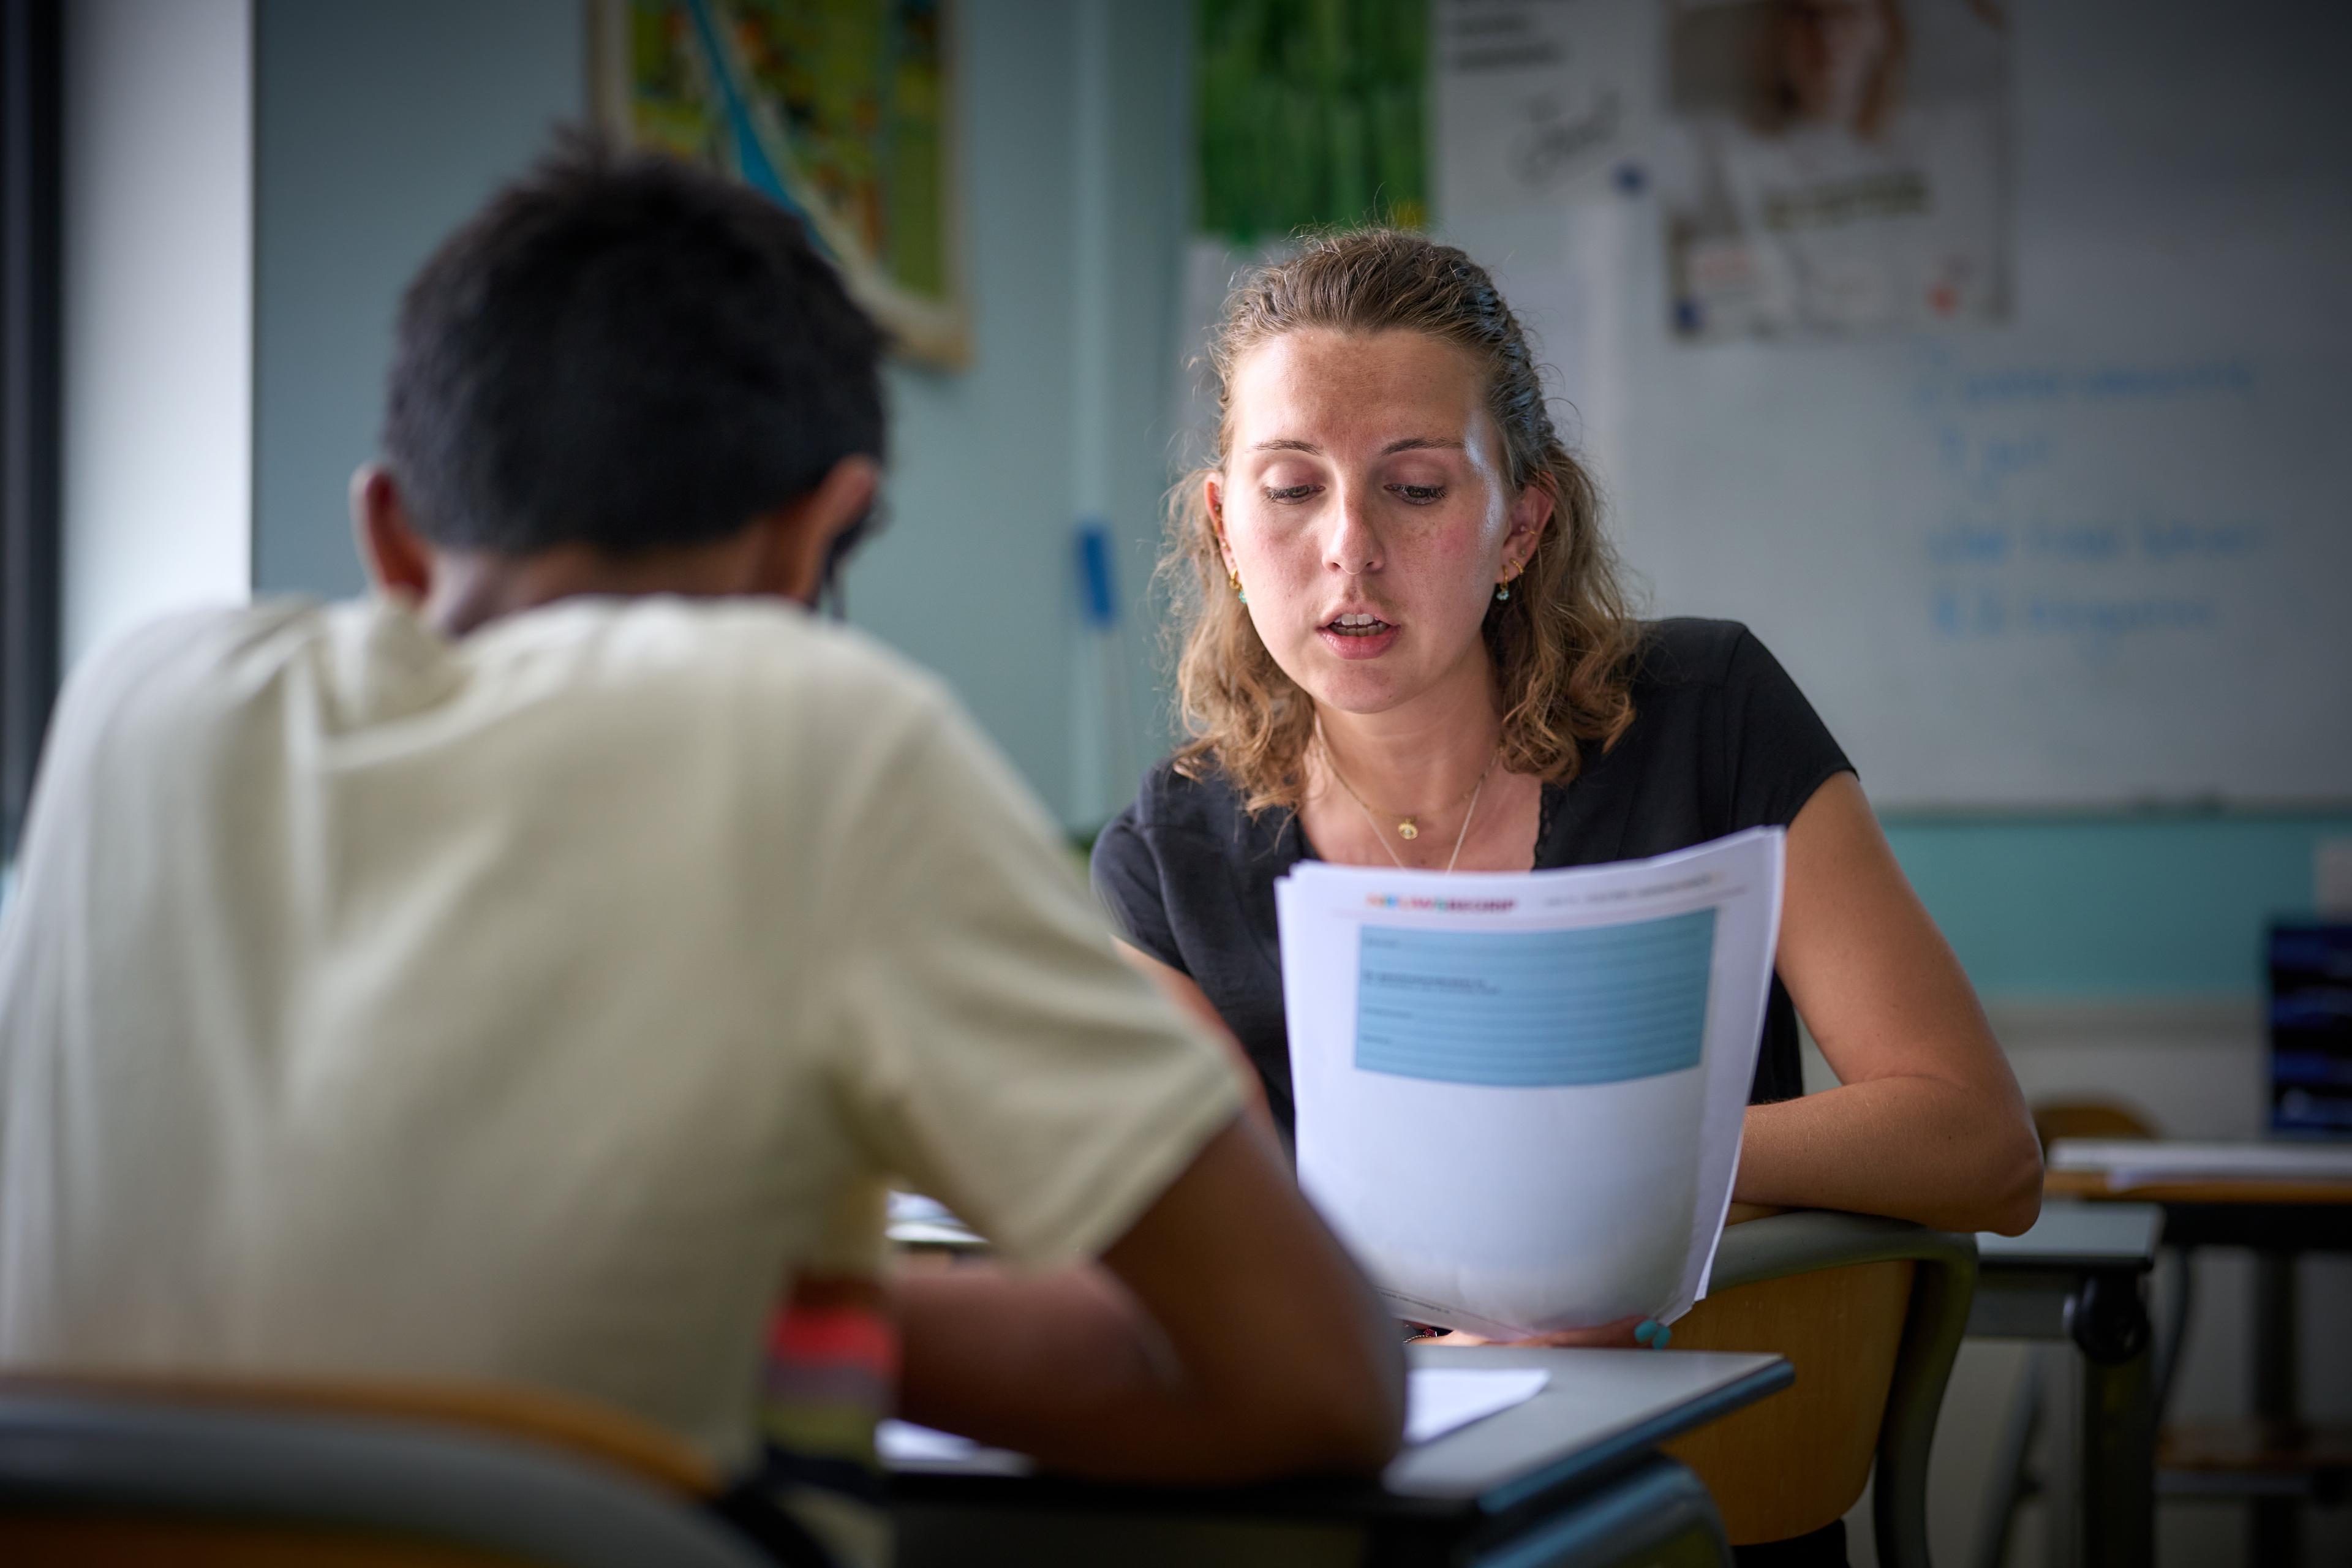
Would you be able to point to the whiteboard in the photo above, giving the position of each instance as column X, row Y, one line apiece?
column 2098, row 554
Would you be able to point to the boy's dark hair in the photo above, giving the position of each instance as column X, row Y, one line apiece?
column 624, row 352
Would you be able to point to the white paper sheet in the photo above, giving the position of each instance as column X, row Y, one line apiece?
column 1437, row 1400
column 1533, row 99
column 2137, row 1163
column 919, row 1221
column 906, row 1443
column 1441, row 1399
column 1520, row 1097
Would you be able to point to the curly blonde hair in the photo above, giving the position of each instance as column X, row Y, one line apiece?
column 1562, row 646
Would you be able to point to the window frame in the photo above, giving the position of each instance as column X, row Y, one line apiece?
column 32, row 62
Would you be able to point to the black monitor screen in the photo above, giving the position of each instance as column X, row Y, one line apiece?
column 2311, row 1027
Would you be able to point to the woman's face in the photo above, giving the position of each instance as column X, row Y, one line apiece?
column 1829, row 50
column 1364, row 504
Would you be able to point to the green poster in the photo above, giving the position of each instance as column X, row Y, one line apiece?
column 1311, row 112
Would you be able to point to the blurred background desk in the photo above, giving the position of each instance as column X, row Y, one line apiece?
column 2278, row 1200
column 2079, row 1275
column 1571, row 1477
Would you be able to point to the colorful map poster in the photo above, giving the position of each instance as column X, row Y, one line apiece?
column 840, row 109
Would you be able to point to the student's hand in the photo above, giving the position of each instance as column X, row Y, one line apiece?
column 1227, row 1337
column 1622, row 1334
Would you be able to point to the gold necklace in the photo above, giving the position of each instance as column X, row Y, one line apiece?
column 1408, row 828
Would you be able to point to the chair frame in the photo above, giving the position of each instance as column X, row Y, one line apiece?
column 1943, row 1282
column 64, row 1452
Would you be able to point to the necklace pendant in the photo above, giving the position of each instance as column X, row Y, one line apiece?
column 1407, row 830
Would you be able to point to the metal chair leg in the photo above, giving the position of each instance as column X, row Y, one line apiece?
column 2012, row 1480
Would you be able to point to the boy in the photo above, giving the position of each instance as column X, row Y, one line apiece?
column 530, row 974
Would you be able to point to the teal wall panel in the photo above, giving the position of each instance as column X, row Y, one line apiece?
column 2113, row 908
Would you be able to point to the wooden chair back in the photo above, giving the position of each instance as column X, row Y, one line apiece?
column 97, row 1537
column 1796, row 1462
column 1871, row 1312
column 2056, row 1118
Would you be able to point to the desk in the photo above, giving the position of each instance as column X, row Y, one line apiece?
column 1572, row 1477
column 2278, row 1217
column 2077, row 1275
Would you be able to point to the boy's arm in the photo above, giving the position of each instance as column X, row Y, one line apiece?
column 1225, row 1337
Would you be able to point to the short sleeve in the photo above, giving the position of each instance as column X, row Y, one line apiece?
column 1780, row 751
column 1127, row 881
column 993, row 1048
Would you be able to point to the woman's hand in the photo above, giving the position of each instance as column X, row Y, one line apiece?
column 1623, row 1334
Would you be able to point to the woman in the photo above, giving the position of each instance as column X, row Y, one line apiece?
column 1405, row 643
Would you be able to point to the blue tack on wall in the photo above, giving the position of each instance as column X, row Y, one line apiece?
column 1097, row 590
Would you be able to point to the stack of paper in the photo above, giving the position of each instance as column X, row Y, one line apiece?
column 2138, row 1162
column 1520, row 1097
column 1440, row 1399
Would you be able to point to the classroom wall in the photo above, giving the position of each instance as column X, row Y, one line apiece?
column 359, row 171
column 972, row 574
column 158, row 208
column 378, row 127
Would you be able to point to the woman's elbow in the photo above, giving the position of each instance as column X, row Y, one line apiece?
column 2014, row 1193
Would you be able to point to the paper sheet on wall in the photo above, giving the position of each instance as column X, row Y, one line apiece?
column 1520, row 1097
column 1533, row 101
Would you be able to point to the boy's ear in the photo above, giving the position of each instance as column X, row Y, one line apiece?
column 795, row 539
column 400, row 561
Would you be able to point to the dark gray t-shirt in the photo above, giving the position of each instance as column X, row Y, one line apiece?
column 1721, row 741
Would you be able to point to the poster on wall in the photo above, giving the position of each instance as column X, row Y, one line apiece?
column 1531, row 97
column 840, row 112
column 1835, row 167
column 1306, row 114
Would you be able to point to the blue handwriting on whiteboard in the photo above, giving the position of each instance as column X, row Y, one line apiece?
column 1985, row 463
column 2095, row 541
column 1944, row 385
column 2094, row 620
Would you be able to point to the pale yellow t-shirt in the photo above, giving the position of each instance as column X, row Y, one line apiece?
column 534, row 1006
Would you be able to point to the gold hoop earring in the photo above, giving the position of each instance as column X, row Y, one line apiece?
column 1234, row 578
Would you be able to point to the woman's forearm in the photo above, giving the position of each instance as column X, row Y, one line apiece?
column 1915, row 1148
column 1929, row 1124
